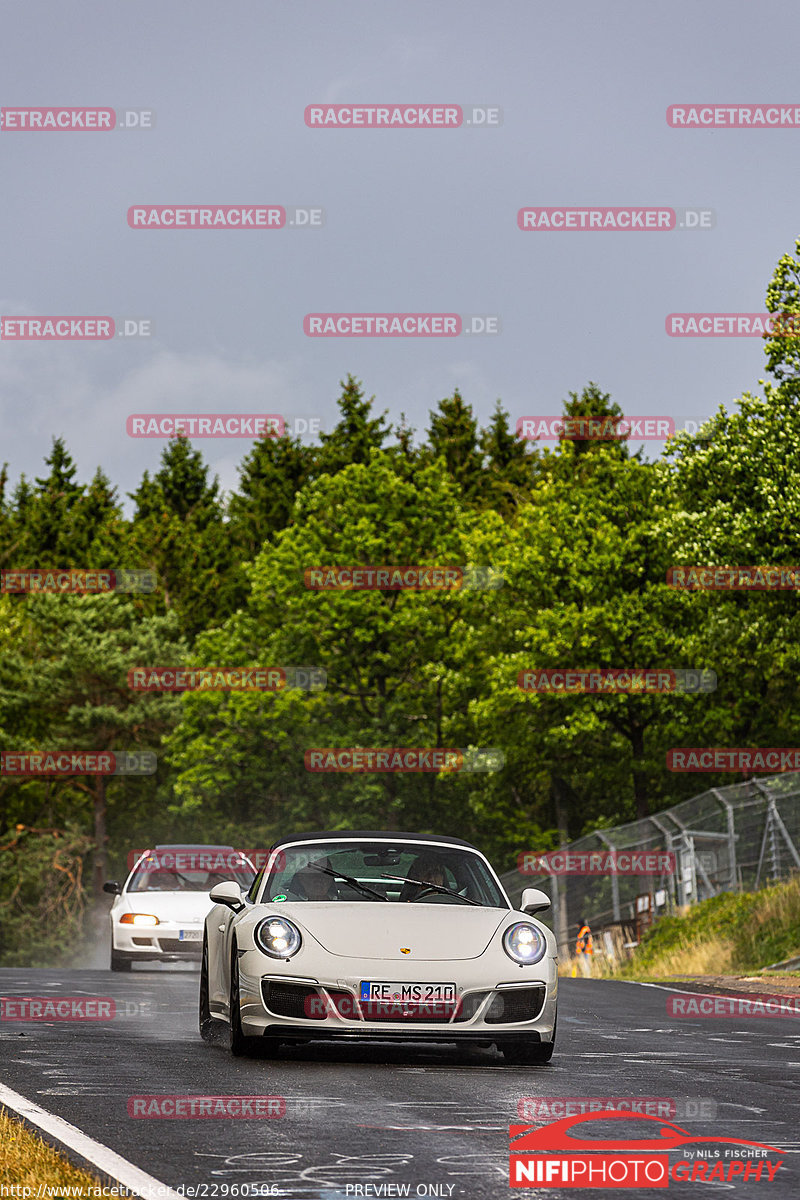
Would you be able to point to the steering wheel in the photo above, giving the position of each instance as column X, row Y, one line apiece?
column 436, row 892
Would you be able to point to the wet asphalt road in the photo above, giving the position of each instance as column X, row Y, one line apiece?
column 432, row 1118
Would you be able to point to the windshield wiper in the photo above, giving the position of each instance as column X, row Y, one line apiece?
column 355, row 883
column 435, row 887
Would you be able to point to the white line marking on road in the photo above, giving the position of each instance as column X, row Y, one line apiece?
column 96, row 1153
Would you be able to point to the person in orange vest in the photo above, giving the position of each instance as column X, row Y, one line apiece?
column 584, row 948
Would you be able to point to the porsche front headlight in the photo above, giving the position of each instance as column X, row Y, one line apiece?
column 524, row 943
column 277, row 937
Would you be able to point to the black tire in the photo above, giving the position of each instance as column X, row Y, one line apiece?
column 267, row 1047
column 240, row 1044
column 520, row 1054
column 118, row 961
column 528, row 1053
column 209, row 1028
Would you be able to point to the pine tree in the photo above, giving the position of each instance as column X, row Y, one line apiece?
column 407, row 459
column 44, row 513
column 507, row 463
column 270, row 477
column 453, row 436
column 180, row 487
column 356, row 434
column 95, row 524
column 178, row 531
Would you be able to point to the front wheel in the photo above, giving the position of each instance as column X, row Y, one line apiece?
column 519, row 1054
column 525, row 1052
column 118, row 961
column 240, row 1044
column 209, row 1028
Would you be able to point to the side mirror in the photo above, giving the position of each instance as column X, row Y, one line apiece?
column 228, row 893
column 112, row 887
column 533, row 901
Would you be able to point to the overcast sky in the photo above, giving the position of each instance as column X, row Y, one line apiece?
column 415, row 220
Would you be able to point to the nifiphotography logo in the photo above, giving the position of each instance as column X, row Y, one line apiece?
column 573, row 1153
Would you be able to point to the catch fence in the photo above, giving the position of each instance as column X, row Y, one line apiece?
column 734, row 838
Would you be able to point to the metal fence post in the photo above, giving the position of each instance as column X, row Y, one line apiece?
column 614, row 878
column 560, row 915
column 731, row 838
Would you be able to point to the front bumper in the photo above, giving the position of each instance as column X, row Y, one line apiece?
column 161, row 942
column 492, row 1006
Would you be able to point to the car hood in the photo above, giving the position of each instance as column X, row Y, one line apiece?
column 429, row 931
column 167, row 906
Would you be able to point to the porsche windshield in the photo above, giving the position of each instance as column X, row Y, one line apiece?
column 380, row 872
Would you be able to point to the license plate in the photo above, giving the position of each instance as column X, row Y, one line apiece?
column 190, row 935
column 409, row 993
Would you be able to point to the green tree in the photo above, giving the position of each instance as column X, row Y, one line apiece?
column 357, row 433
column 507, row 464
column 453, row 436
column 585, row 587
column 270, row 477
column 64, row 686
column 179, row 532
column 736, row 495
column 44, row 513
column 386, row 654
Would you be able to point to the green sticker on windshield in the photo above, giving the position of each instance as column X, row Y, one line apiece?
column 275, row 899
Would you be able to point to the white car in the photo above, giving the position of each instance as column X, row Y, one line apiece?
column 383, row 936
column 158, row 913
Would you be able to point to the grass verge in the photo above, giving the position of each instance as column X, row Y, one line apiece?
column 28, row 1162
column 733, row 933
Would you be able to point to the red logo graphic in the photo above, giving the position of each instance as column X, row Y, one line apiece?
column 552, row 1156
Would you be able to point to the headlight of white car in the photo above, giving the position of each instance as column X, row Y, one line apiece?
column 524, row 943
column 277, row 937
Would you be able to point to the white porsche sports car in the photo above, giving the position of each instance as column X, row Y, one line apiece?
column 383, row 936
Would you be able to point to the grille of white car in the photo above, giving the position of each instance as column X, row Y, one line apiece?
column 516, row 1004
